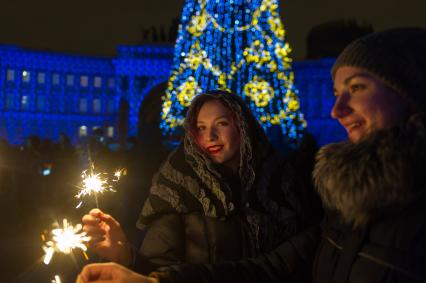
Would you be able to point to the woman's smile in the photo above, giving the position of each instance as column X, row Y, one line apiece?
column 214, row 149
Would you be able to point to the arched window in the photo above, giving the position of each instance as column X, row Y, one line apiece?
column 82, row 131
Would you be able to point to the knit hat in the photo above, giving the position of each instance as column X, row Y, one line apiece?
column 396, row 56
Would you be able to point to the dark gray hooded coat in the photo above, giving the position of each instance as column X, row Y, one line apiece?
column 197, row 212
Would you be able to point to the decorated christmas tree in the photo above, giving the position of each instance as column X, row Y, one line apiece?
column 239, row 46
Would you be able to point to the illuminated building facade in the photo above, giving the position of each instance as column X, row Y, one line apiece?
column 313, row 79
column 137, row 70
column 46, row 93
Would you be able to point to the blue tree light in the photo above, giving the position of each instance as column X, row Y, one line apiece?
column 239, row 46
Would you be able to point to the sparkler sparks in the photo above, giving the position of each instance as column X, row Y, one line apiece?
column 96, row 183
column 64, row 240
column 119, row 173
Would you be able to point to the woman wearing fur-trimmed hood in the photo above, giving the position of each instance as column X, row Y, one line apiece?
column 374, row 186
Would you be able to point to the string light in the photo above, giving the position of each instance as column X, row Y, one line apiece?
column 238, row 46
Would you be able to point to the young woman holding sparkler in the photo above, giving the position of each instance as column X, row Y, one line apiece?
column 223, row 194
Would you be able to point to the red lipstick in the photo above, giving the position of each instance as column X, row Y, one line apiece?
column 214, row 149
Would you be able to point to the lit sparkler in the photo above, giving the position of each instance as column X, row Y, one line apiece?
column 57, row 279
column 64, row 240
column 97, row 183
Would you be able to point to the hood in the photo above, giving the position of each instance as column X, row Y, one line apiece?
column 377, row 176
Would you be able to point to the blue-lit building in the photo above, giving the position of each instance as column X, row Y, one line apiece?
column 313, row 80
column 47, row 93
column 137, row 70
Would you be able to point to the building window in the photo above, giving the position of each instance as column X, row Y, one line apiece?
column 9, row 100
column 40, row 103
column 24, row 102
column 41, row 78
column 111, row 106
column 55, row 79
column 111, row 82
column 70, row 80
column 98, row 132
column 96, row 105
column 123, row 83
column 97, row 81
column 26, row 76
column 110, row 132
column 83, row 105
column 82, row 131
column 84, row 81
column 10, row 75
column 61, row 106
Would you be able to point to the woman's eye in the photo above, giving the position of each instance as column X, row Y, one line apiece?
column 356, row 87
column 200, row 128
column 223, row 123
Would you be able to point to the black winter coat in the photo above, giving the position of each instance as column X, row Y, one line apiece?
column 392, row 250
column 194, row 237
column 375, row 228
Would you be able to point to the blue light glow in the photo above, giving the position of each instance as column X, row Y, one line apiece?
column 46, row 94
column 47, row 102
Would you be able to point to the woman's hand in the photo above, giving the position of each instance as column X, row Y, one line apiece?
column 107, row 239
column 111, row 273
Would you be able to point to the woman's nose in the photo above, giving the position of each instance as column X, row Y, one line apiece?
column 212, row 134
column 341, row 107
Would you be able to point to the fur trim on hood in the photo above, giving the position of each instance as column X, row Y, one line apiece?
column 377, row 176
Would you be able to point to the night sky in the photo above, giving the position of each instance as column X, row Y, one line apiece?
column 96, row 27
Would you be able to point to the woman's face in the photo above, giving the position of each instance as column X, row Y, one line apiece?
column 364, row 104
column 217, row 133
